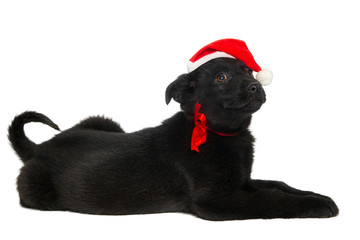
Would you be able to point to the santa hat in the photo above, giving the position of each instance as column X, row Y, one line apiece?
column 230, row 48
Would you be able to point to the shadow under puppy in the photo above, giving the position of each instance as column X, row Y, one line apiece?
column 198, row 161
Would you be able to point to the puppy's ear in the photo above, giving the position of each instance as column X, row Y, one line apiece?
column 180, row 90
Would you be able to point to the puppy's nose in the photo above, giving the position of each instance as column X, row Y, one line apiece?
column 255, row 87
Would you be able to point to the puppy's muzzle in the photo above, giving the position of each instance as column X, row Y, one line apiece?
column 257, row 92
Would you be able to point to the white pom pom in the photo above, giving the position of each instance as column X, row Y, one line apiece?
column 265, row 76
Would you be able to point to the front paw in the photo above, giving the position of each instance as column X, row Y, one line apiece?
column 318, row 207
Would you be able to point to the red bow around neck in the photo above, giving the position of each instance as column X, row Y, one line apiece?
column 200, row 129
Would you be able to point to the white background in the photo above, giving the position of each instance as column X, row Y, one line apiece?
column 72, row 59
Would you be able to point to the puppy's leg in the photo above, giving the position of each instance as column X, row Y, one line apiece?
column 35, row 187
column 262, row 203
column 259, row 184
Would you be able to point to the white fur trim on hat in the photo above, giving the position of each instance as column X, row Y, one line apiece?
column 265, row 76
column 191, row 66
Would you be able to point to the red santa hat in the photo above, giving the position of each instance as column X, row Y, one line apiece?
column 230, row 48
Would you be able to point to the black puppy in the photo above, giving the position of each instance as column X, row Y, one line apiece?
column 96, row 168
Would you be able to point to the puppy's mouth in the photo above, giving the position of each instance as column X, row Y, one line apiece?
column 251, row 105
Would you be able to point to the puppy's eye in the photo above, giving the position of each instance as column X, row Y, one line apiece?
column 222, row 77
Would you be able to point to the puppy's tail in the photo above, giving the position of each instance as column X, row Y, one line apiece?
column 25, row 148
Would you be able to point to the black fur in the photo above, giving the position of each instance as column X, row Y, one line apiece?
column 96, row 168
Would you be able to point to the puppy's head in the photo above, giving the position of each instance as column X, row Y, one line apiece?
column 225, row 88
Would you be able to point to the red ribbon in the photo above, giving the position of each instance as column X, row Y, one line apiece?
column 199, row 132
column 200, row 129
